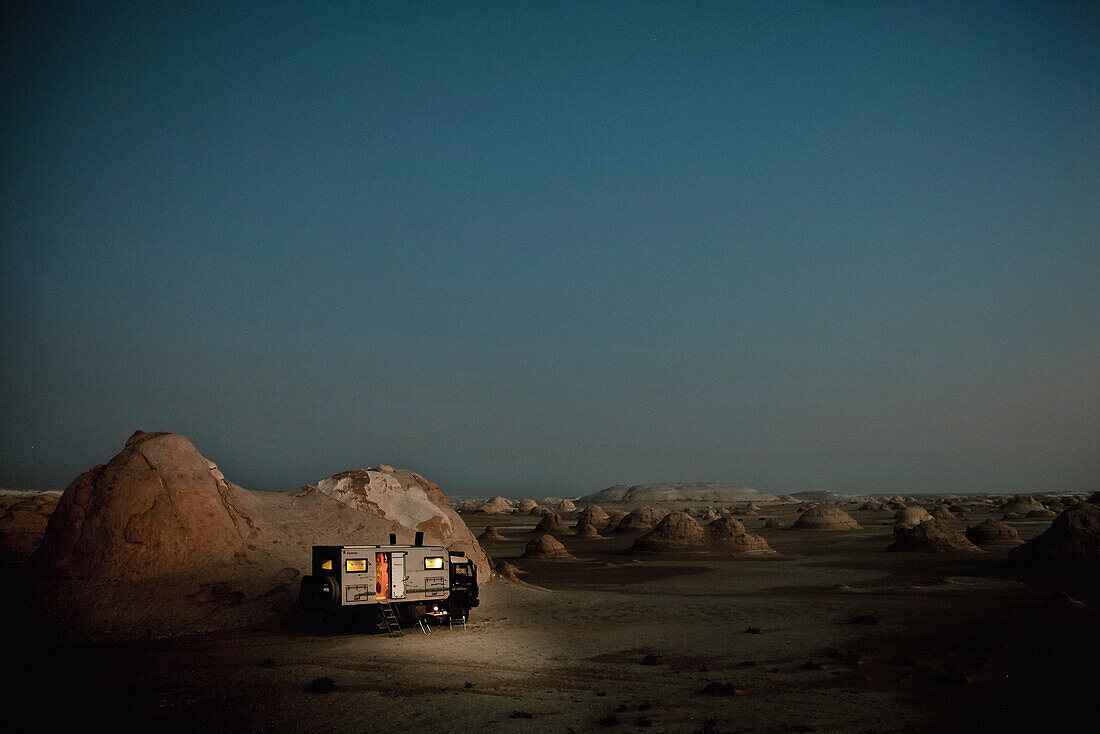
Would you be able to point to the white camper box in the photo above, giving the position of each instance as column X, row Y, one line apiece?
column 369, row 574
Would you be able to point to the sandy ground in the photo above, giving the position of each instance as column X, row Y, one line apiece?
column 615, row 641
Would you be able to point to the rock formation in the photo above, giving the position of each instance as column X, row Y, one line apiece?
column 587, row 530
column 490, row 533
column 496, row 505
column 825, row 517
column 641, row 520
column 992, row 532
column 526, row 506
column 546, row 546
column 566, row 506
column 677, row 531
column 909, row 517
column 158, row 508
column 23, row 519
column 552, row 523
column 1071, row 542
column 1022, row 504
column 930, row 536
column 729, row 535
column 593, row 515
column 672, row 492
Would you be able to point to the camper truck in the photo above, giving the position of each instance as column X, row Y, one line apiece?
column 380, row 583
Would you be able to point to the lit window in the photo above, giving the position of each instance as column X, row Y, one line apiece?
column 432, row 563
column 326, row 566
column 355, row 566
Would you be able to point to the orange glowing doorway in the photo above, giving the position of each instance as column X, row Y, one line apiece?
column 382, row 575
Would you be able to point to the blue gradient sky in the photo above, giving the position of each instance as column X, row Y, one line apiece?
column 546, row 248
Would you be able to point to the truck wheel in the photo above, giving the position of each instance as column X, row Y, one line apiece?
column 376, row 623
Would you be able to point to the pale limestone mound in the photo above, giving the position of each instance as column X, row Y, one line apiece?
column 1022, row 504
column 614, row 517
column 526, row 506
column 1038, row 514
column 710, row 515
column 677, row 531
column 593, row 515
column 992, row 532
column 871, row 506
column 825, row 517
column 566, row 506
column 1072, row 542
column 678, row 492
column 771, row 522
column 496, row 505
column 940, row 512
column 158, row 508
column 538, row 511
column 641, row 520
column 406, row 501
column 910, row 517
column 729, row 535
column 490, row 533
column 931, row 536
column 23, row 523
column 505, row 570
column 552, row 523
column 546, row 546
column 587, row 531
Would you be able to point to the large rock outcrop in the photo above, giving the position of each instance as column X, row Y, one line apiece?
column 158, row 508
column 678, row 492
column 404, row 498
column 1072, row 542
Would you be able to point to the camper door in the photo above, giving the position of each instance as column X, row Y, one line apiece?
column 397, row 575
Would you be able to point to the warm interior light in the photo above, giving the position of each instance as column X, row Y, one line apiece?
column 326, row 566
column 357, row 565
column 430, row 563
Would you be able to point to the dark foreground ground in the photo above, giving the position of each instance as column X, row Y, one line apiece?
column 621, row 642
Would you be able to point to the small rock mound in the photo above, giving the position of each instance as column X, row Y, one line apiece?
column 940, row 512
column 23, row 523
column 490, row 533
column 526, row 506
column 825, row 517
column 641, row 520
column 1071, row 542
column 593, row 515
column 910, row 517
column 992, row 532
column 566, row 506
column 677, row 531
column 546, row 546
column 1022, row 504
column 496, row 505
column 931, row 536
column 587, row 531
column 729, row 535
column 552, row 523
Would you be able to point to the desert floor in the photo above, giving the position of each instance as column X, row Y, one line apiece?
column 619, row 641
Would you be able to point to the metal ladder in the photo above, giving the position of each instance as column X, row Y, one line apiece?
column 390, row 617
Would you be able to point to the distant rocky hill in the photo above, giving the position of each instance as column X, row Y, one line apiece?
column 673, row 492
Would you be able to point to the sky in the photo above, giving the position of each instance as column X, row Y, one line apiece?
column 544, row 248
